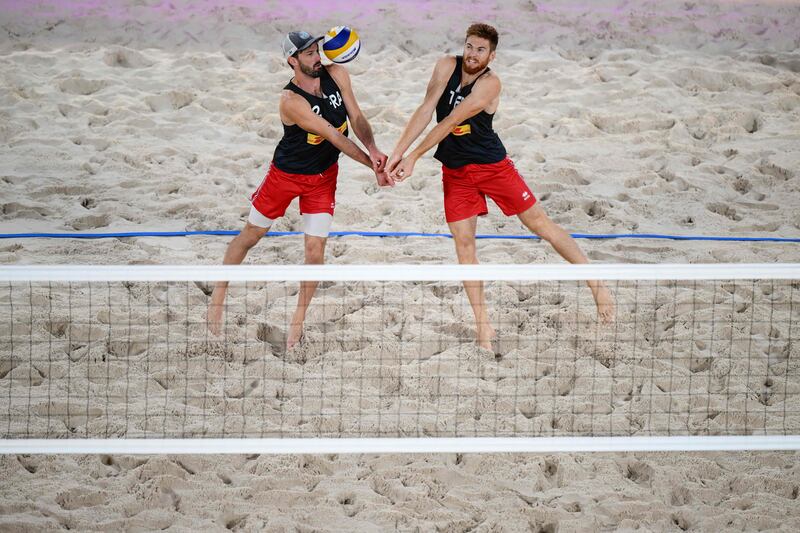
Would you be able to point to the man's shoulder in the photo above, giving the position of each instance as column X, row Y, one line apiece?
column 290, row 99
column 491, row 76
column 338, row 73
column 446, row 61
column 489, row 79
column 444, row 67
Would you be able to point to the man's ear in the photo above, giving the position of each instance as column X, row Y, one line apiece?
column 292, row 61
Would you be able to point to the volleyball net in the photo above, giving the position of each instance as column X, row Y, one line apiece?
column 102, row 359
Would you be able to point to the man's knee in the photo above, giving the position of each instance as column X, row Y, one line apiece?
column 250, row 235
column 465, row 249
column 464, row 243
column 314, row 250
column 535, row 220
column 464, row 239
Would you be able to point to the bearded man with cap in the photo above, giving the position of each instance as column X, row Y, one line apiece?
column 314, row 108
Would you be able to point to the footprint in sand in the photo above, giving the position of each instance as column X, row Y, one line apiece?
column 81, row 86
column 620, row 124
column 16, row 210
column 636, row 182
column 698, row 79
column 638, row 472
column 125, row 58
column 338, row 249
column 595, row 210
column 566, row 176
column 791, row 64
column 88, row 203
column 771, row 169
column 73, row 415
column 236, row 521
column 273, row 336
column 596, row 255
column 371, row 189
column 617, row 71
column 748, row 120
column 101, row 145
column 419, row 185
column 724, row 210
column 170, row 101
column 125, row 349
column 90, row 222
column 741, row 185
column 78, row 497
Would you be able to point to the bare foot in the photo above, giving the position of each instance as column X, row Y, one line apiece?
column 486, row 336
column 214, row 318
column 605, row 304
column 294, row 335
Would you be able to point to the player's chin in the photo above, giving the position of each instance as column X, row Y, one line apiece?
column 473, row 69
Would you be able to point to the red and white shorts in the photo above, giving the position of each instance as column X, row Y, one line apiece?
column 466, row 189
column 317, row 192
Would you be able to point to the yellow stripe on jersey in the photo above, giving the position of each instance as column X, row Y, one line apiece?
column 463, row 129
column 317, row 139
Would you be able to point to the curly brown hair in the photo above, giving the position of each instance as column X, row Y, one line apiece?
column 484, row 31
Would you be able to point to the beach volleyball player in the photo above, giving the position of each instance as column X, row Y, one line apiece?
column 314, row 108
column 465, row 94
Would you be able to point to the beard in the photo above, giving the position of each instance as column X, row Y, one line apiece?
column 474, row 69
column 314, row 72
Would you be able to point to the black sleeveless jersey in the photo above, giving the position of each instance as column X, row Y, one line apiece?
column 472, row 141
column 302, row 152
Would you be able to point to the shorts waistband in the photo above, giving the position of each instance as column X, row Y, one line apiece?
column 331, row 168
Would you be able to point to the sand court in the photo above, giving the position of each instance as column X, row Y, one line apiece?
column 647, row 117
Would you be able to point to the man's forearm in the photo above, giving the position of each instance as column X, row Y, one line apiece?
column 436, row 135
column 351, row 149
column 363, row 131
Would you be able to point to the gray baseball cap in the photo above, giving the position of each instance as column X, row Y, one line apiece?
column 297, row 41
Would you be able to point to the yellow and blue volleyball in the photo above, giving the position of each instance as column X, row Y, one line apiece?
column 341, row 44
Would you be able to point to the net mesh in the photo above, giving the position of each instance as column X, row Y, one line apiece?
column 398, row 359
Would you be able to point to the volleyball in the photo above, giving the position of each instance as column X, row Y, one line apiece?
column 341, row 44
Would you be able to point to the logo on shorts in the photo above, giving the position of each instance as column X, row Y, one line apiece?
column 333, row 205
column 525, row 195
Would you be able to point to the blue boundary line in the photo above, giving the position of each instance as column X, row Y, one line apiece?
column 79, row 235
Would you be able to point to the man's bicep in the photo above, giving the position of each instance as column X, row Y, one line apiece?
column 351, row 104
column 303, row 116
column 293, row 107
column 436, row 84
column 432, row 93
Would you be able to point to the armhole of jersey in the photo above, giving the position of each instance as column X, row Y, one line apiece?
column 456, row 72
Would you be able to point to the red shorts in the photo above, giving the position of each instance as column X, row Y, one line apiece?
column 317, row 192
column 466, row 188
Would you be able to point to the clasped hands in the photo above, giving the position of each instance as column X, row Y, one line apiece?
column 391, row 170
